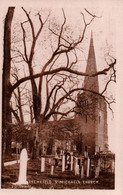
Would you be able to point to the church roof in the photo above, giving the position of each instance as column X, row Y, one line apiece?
column 91, row 83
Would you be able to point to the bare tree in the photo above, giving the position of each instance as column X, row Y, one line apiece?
column 64, row 46
column 6, row 110
column 58, row 68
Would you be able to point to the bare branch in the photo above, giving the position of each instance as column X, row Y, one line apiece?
column 15, row 115
column 30, row 21
column 104, row 71
column 112, row 79
column 61, row 37
column 40, row 29
column 61, row 28
column 94, row 16
column 83, row 18
column 21, row 54
column 24, row 42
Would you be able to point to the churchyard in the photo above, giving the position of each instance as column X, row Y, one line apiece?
column 64, row 171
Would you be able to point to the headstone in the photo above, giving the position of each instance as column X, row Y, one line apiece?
column 67, row 161
column 23, row 168
column 97, row 169
column 88, row 167
column 76, row 168
column 113, row 166
column 49, row 160
column 97, row 172
column 86, row 152
column 82, row 171
column 61, row 152
column 71, row 165
column 63, row 163
column 42, row 164
column 52, row 169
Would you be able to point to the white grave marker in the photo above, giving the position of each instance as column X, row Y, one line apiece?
column 76, row 168
column 52, row 169
column 71, row 166
column 112, row 166
column 49, row 160
column 63, row 163
column 88, row 167
column 42, row 164
column 23, row 168
column 82, row 171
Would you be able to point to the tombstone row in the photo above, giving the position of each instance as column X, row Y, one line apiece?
column 80, row 166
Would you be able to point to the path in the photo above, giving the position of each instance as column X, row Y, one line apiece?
column 12, row 162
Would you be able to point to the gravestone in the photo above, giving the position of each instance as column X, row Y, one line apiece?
column 63, row 163
column 88, row 167
column 67, row 161
column 71, row 167
column 97, row 169
column 113, row 166
column 76, row 168
column 82, row 171
column 49, row 160
column 23, row 168
column 42, row 164
column 52, row 169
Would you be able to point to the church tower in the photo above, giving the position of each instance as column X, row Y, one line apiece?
column 91, row 83
column 92, row 109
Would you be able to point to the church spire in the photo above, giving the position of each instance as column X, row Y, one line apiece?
column 91, row 83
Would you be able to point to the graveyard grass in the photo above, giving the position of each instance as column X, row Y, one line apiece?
column 59, row 180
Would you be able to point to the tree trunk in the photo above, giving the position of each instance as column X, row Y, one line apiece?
column 20, row 106
column 6, row 91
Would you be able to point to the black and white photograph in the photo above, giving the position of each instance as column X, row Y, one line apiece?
column 59, row 95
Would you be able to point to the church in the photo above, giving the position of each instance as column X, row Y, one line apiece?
column 93, row 118
column 89, row 125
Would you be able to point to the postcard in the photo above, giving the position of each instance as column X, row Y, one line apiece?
column 61, row 81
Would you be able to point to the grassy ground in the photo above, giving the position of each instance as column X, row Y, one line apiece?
column 11, row 157
column 59, row 180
